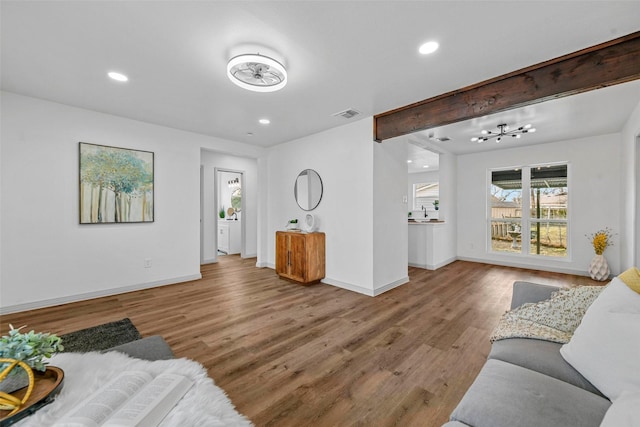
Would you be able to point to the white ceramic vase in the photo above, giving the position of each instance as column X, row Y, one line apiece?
column 599, row 269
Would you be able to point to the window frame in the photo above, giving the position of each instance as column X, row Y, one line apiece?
column 527, row 221
column 429, row 199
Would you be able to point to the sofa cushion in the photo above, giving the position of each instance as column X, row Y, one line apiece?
column 605, row 347
column 540, row 356
column 624, row 411
column 506, row 395
column 150, row 348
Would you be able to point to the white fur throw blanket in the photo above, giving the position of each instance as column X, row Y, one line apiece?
column 205, row 404
column 554, row 319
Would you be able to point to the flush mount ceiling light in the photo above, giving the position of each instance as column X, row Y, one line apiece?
column 503, row 131
column 257, row 73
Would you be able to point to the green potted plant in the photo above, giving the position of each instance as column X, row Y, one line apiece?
column 32, row 348
column 436, row 204
column 221, row 213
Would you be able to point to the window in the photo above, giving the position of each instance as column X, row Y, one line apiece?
column 531, row 201
column 424, row 194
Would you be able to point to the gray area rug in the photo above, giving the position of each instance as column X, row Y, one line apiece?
column 101, row 337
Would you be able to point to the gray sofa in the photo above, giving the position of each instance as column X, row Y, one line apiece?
column 527, row 383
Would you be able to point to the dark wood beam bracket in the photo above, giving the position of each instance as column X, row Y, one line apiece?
column 616, row 61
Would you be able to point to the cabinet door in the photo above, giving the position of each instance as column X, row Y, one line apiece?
column 297, row 257
column 314, row 268
column 282, row 253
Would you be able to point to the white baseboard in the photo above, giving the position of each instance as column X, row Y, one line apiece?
column 390, row 286
column 97, row 294
column 527, row 266
column 349, row 286
column 418, row 265
column 433, row 266
column 366, row 291
column 264, row 264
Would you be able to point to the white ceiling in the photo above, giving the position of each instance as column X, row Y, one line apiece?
column 339, row 54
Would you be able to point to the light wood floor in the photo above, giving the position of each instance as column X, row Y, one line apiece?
column 289, row 355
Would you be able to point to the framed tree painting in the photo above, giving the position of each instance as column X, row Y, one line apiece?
column 116, row 185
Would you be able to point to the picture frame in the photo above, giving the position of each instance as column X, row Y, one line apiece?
column 116, row 185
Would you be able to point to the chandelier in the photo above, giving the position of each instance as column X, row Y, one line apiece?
column 503, row 131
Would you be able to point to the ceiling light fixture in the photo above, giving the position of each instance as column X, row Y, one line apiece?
column 264, row 121
column 257, row 73
column 503, row 131
column 118, row 76
column 428, row 47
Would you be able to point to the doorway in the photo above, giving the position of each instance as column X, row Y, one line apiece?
column 213, row 183
column 229, row 209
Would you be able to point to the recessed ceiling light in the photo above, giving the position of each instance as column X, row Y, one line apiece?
column 409, row 161
column 428, row 47
column 425, row 166
column 118, row 76
column 264, row 121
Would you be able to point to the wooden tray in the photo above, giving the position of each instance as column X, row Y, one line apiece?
column 47, row 385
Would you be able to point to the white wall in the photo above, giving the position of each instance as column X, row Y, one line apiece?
column 344, row 158
column 47, row 257
column 250, row 189
column 448, row 179
column 630, row 191
column 594, row 200
column 390, row 257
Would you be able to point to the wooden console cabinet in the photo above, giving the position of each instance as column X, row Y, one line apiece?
column 300, row 256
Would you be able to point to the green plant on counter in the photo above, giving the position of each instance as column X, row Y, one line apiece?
column 31, row 347
column 221, row 213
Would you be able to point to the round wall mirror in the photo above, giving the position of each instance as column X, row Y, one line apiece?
column 308, row 190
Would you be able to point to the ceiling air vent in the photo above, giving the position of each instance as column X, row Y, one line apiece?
column 347, row 114
column 440, row 139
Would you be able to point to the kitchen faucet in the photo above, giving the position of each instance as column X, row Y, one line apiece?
column 425, row 211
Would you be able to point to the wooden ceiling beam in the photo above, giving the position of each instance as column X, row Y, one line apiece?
column 616, row 61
